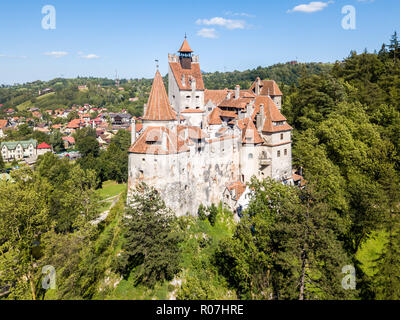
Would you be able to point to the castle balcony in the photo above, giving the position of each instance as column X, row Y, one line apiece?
column 264, row 160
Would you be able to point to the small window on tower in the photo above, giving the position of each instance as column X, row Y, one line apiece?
column 281, row 136
column 285, row 152
column 279, row 154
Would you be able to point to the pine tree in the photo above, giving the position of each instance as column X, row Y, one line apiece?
column 150, row 239
column 387, row 277
column 394, row 45
column 2, row 165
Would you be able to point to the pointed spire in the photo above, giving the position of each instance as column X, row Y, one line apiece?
column 185, row 48
column 158, row 106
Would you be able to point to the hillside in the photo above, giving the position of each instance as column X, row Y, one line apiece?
column 102, row 92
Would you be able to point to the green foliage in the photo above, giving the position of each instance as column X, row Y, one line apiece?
column 201, row 212
column 150, row 246
column 200, row 277
column 2, row 164
column 285, row 247
column 24, row 215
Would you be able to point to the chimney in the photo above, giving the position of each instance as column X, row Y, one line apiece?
column 164, row 141
column 260, row 118
column 258, row 86
column 228, row 96
column 183, row 80
column 237, row 92
column 133, row 131
column 193, row 84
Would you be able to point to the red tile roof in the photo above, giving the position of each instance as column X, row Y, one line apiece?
column 188, row 75
column 267, row 87
column 195, row 133
column 3, row 123
column 239, row 188
column 272, row 114
column 216, row 96
column 192, row 111
column 71, row 140
column 185, row 48
column 158, row 106
column 145, row 143
column 250, row 134
column 43, row 145
column 214, row 117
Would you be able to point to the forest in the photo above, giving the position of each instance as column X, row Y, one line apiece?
column 290, row 243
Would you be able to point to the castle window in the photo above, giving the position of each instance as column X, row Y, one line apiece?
column 187, row 97
column 285, row 152
column 279, row 154
column 281, row 136
column 250, row 156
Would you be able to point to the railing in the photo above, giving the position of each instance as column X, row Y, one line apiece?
column 264, row 160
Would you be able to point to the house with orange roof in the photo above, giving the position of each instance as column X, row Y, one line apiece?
column 199, row 146
column 3, row 125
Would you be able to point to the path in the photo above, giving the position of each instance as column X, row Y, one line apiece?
column 105, row 214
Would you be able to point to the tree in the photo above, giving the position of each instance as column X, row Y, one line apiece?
column 150, row 239
column 386, row 282
column 24, row 216
column 285, row 247
column 2, row 164
column 88, row 146
column 57, row 142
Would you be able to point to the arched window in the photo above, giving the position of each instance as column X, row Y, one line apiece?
column 250, row 156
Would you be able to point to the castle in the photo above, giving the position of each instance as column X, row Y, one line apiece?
column 198, row 146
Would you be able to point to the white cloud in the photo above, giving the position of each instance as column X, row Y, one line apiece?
column 313, row 6
column 222, row 22
column 91, row 56
column 12, row 57
column 239, row 14
column 209, row 33
column 56, row 54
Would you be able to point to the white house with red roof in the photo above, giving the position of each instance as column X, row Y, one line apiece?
column 43, row 148
column 198, row 146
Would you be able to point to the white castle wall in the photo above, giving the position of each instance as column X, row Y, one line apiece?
column 188, row 179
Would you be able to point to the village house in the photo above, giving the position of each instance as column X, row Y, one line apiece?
column 3, row 125
column 199, row 145
column 43, row 148
column 18, row 150
column 69, row 142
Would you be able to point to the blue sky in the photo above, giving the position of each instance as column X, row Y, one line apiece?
column 96, row 38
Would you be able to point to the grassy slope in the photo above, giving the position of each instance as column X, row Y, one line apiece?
column 28, row 104
column 110, row 189
column 196, row 253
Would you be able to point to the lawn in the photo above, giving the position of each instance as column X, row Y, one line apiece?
column 111, row 189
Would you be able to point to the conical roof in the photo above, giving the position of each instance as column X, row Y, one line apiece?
column 158, row 106
column 185, row 48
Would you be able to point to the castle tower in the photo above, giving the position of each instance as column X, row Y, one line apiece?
column 185, row 82
column 158, row 111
